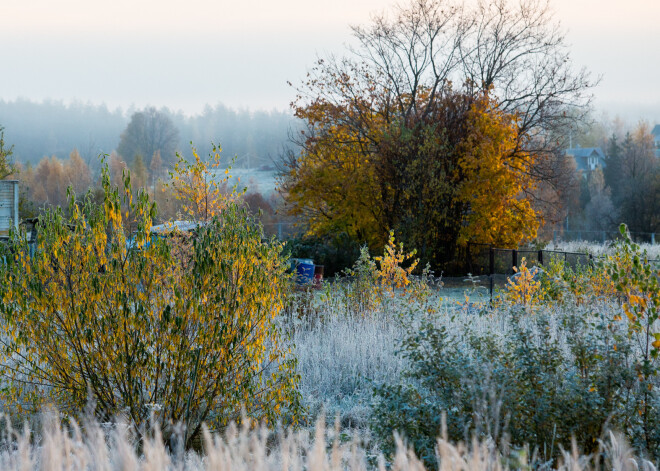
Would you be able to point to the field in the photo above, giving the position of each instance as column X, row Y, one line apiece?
column 256, row 181
column 563, row 350
column 554, row 373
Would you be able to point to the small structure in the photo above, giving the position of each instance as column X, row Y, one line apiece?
column 168, row 230
column 656, row 139
column 587, row 159
column 8, row 206
column 656, row 135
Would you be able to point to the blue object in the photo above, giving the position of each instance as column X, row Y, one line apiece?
column 304, row 270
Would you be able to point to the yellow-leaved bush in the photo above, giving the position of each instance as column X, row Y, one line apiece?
column 201, row 186
column 524, row 289
column 144, row 326
column 635, row 279
column 378, row 280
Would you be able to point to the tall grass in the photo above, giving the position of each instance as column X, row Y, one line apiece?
column 342, row 354
column 92, row 447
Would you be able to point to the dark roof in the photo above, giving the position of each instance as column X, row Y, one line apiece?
column 656, row 130
column 586, row 152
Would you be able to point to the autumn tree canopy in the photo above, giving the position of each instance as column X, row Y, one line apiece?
column 439, row 179
column 435, row 126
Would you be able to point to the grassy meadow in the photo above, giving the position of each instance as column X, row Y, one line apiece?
column 398, row 371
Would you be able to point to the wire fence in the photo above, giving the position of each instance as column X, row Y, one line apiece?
column 494, row 265
column 484, row 259
column 497, row 264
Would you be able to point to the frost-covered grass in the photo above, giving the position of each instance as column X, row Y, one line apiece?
column 341, row 357
column 92, row 448
column 597, row 249
column 343, row 353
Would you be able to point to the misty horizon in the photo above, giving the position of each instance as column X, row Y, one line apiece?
column 185, row 55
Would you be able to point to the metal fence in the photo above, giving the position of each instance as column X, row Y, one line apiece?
column 483, row 259
column 497, row 263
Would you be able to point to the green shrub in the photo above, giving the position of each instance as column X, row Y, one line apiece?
column 523, row 387
column 180, row 330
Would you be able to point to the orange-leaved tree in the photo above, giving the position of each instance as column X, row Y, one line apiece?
column 333, row 184
column 446, row 174
column 496, row 179
column 389, row 126
column 93, row 312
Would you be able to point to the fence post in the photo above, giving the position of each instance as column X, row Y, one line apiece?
column 514, row 258
column 468, row 258
column 491, row 269
column 653, row 238
column 540, row 257
column 279, row 230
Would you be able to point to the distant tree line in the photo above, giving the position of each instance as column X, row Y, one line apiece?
column 53, row 128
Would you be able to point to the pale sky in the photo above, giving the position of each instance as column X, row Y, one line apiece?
column 187, row 53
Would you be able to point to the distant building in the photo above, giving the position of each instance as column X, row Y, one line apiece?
column 656, row 139
column 656, row 135
column 587, row 159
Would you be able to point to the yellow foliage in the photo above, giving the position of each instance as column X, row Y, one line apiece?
column 142, row 325
column 495, row 180
column 448, row 172
column 390, row 273
column 201, row 186
column 524, row 290
column 378, row 279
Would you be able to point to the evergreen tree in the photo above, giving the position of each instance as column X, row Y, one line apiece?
column 612, row 170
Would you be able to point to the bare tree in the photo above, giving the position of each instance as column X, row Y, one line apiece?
column 407, row 61
column 517, row 51
column 148, row 132
column 521, row 52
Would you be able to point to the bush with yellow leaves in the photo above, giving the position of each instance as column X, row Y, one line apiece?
column 636, row 281
column 90, row 314
column 388, row 278
column 525, row 288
